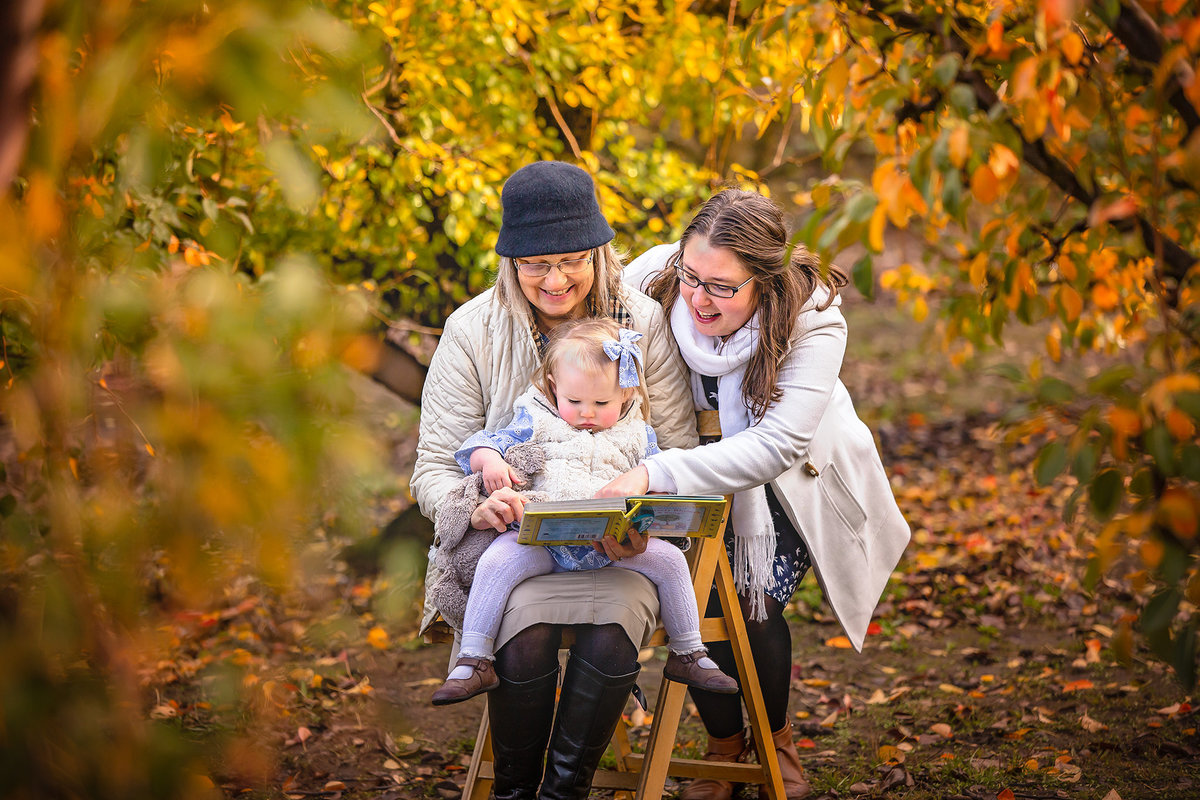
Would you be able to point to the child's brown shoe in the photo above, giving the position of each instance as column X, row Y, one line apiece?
column 455, row 690
column 686, row 669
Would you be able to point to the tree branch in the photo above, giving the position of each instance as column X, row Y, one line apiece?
column 1177, row 261
column 1135, row 29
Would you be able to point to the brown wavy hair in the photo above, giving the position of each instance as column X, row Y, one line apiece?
column 580, row 342
column 751, row 226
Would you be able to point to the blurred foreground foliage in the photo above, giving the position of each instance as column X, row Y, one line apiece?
column 177, row 411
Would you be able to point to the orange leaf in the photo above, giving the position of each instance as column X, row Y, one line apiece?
column 984, row 185
column 1071, row 301
column 960, row 145
column 805, row 744
column 1078, row 685
column 377, row 637
column 1177, row 512
column 1006, row 794
column 1072, row 47
column 840, row 642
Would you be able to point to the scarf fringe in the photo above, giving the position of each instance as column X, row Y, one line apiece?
column 753, row 561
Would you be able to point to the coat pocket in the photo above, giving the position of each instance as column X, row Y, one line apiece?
column 841, row 507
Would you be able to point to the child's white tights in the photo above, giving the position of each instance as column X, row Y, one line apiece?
column 506, row 563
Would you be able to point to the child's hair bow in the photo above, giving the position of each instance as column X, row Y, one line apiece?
column 627, row 354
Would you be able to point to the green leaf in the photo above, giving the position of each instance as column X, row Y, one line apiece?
column 1189, row 462
column 1084, row 464
column 1008, row 371
column 1190, row 403
column 1050, row 462
column 1110, row 379
column 861, row 206
column 1185, row 656
column 1106, row 491
column 962, row 99
column 1160, row 610
column 863, row 276
column 946, row 69
column 1143, row 483
column 1161, row 448
column 1054, row 391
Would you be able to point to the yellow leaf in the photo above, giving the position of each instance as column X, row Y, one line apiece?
column 876, row 228
column 920, row 309
column 149, row 448
column 1003, row 161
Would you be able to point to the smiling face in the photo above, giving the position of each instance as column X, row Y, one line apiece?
column 555, row 296
column 588, row 400
column 716, row 316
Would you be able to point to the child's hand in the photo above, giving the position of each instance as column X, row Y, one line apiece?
column 499, row 475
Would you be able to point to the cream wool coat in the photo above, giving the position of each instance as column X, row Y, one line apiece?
column 485, row 360
column 846, row 512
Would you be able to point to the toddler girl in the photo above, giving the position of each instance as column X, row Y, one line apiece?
column 587, row 409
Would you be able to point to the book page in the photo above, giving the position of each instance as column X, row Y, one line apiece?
column 584, row 530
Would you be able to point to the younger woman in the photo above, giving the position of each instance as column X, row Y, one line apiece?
column 757, row 321
column 591, row 423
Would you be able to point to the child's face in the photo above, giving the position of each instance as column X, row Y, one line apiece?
column 587, row 400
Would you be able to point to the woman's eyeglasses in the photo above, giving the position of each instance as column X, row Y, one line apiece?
column 714, row 289
column 540, row 269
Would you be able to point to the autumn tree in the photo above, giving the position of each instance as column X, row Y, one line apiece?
column 1047, row 153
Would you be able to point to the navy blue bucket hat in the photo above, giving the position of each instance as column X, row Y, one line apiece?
column 550, row 207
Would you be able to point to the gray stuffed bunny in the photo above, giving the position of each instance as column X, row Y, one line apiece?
column 458, row 545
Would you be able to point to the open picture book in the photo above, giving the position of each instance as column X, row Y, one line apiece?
column 584, row 521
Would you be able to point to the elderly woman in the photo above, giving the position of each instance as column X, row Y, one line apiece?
column 557, row 264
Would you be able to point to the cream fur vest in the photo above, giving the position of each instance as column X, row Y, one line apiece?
column 579, row 462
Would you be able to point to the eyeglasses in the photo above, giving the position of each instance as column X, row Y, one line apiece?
column 714, row 289
column 540, row 269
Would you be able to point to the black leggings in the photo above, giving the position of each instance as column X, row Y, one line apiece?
column 534, row 651
column 771, row 643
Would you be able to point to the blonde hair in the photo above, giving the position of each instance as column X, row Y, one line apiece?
column 580, row 343
column 751, row 226
column 606, row 284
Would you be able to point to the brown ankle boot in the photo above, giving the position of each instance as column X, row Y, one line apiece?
column 794, row 784
column 730, row 750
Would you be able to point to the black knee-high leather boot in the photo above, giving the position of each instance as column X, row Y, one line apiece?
column 520, row 714
column 589, row 707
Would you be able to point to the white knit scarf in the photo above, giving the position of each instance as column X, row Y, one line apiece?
column 754, row 540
